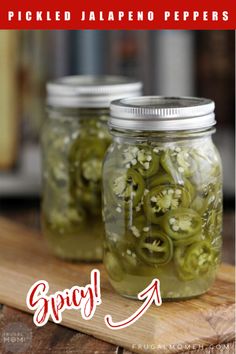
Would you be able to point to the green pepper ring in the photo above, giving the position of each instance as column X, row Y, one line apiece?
column 184, row 258
column 189, row 186
column 157, row 180
column 170, row 167
column 207, row 248
column 177, row 235
column 84, row 191
column 136, row 179
column 151, row 216
column 165, row 249
column 188, row 241
column 153, row 168
column 166, row 179
column 183, row 272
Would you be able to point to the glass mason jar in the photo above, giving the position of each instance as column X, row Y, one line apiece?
column 75, row 138
column 162, row 196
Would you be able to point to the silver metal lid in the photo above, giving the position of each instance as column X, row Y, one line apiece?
column 158, row 113
column 90, row 91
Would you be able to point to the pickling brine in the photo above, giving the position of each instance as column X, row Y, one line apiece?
column 162, row 197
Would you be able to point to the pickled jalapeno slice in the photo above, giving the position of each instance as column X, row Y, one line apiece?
column 186, row 241
column 207, row 168
column 165, row 179
column 212, row 194
column 142, row 158
column 148, row 162
column 127, row 188
column 182, row 270
column 179, row 161
column 181, row 223
column 85, row 167
column 86, row 162
column 160, row 179
column 195, row 260
column 190, row 188
column 209, row 198
column 155, row 248
column 161, row 199
column 201, row 255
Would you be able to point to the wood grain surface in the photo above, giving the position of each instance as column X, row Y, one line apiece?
column 174, row 327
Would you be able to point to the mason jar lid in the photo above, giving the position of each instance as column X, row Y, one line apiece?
column 90, row 91
column 158, row 113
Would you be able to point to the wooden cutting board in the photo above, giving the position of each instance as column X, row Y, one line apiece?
column 173, row 327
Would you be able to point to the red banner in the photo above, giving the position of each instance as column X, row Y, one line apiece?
column 139, row 14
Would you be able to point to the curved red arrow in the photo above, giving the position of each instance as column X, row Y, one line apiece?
column 151, row 293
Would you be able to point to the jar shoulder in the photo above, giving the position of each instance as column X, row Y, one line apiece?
column 125, row 149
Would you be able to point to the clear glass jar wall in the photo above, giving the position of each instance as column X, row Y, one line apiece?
column 162, row 211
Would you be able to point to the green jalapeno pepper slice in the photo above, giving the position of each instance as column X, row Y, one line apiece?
column 86, row 156
column 208, row 166
column 165, row 179
column 188, row 240
column 127, row 188
column 181, row 223
column 209, row 198
column 159, row 180
column 85, row 171
column 142, row 158
column 190, row 187
column 55, row 160
column 178, row 162
column 148, row 162
column 154, row 248
column 161, row 199
column 181, row 268
column 195, row 260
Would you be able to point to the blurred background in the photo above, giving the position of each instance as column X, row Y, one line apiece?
column 191, row 63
